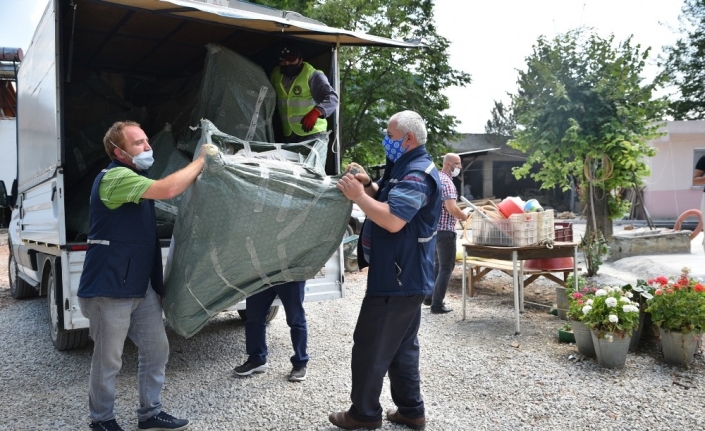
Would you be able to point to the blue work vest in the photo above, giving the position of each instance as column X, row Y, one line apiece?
column 401, row 263
column 123, row 248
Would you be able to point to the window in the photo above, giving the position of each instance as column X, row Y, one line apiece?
column 697, row 154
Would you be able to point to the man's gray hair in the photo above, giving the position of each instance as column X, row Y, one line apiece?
column 411, row 122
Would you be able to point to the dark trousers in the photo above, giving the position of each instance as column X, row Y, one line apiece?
column 444, row 265
column 385, row 341
column 292, row 298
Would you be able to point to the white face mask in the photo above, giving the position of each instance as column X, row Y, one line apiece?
column 455, row 172
column 142, row 161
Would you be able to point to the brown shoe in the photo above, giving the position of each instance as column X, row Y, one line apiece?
column 345, row 421
column 397, row 418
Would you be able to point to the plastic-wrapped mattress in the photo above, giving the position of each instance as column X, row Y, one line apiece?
column 265, row 215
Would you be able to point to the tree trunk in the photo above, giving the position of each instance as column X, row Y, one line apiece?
column 597, row 200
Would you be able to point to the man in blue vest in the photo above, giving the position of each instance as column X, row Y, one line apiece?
column 121, row 285
column 305, row 98
column 397, row 242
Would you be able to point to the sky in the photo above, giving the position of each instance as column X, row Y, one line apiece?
column 490, row 39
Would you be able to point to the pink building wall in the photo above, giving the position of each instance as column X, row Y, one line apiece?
column 669, row 190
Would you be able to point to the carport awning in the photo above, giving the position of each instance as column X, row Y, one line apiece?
column 262, row 19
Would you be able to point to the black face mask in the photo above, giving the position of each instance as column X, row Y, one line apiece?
column 291, row 70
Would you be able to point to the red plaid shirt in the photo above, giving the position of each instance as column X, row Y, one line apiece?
column 448, row 191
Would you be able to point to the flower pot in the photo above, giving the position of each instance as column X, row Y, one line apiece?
column 612, row 349
column 583, row 338
column 678, row 348
column 636, row 335
column 566, row 336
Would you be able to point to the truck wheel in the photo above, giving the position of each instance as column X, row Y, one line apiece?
column 273, row 310
column 350, row 262
column 19, row 289
column 61, row 338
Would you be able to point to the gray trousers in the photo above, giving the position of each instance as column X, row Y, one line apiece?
column 111, row 321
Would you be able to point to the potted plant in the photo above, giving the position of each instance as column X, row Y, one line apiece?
column 577, row 299
column 678, row 309
column 611, row 316
column 565, row 334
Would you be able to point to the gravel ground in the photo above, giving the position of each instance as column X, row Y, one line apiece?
column 476, row 374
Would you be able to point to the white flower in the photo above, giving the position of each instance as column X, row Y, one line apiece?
column 601, row 292
column 611, row 302
column 630, row 308
column 589, row 302
column 626, row 299
column 609, row 338
column 628, row 294
column 586, row 309
column 614, row 318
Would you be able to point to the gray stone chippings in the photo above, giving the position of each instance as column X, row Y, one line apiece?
column 476, row 375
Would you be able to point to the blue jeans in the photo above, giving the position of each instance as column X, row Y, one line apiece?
column 292, row 298
column 444, row 265
column 111, row 320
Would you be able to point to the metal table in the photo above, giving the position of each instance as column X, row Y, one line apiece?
column 517, row 255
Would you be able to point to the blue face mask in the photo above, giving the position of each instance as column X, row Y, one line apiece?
column 393, row 148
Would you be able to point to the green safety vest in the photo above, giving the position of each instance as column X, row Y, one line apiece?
column 293, row 106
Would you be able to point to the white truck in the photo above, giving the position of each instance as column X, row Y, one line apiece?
column 140, row 57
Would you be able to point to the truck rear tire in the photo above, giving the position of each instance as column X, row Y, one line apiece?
column 350, row 262
column 19, row 289
column 61, row 338
column 273, row 310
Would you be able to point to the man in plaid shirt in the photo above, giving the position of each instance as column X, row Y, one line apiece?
column 445, row 239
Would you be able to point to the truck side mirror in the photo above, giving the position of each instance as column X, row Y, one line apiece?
column 3, row 195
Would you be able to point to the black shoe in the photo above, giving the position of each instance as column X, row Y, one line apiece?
column 427, row 301
column 110, row 425
column 442, row 310
column 162, row 422
column 250, row 367
column 297, row 374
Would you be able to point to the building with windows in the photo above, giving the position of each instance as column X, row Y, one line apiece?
column 669, row 190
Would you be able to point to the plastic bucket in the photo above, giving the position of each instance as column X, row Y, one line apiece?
column 511, row 206
column 550, row 264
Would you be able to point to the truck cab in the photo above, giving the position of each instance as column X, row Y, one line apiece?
column 10, row 59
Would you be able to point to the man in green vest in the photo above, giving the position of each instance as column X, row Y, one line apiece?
column 305, row 98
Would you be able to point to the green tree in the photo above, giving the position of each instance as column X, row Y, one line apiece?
column 583, row 113
column 684, row 63
column 502, row 122
column 377, row 82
